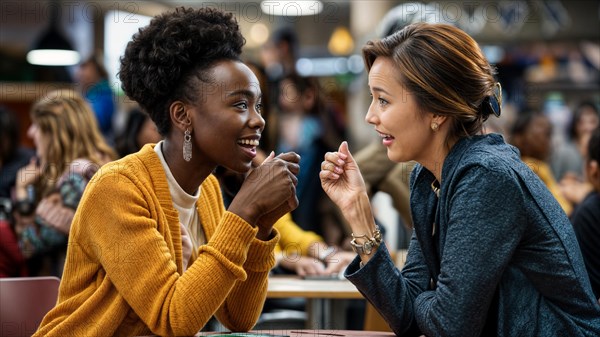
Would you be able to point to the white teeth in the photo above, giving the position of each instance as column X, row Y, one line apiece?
column 251, row 142
column 383, row 135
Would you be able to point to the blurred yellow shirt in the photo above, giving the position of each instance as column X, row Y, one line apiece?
column 542, row 169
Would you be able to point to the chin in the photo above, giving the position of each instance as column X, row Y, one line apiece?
column 395, row 156
column 240, row 167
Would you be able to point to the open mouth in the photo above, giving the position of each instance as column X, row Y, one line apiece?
column 249, row 145
column 385, row 136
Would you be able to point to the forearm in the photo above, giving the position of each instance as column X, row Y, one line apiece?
column 359, row 216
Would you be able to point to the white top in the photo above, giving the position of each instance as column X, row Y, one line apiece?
column 192, row 235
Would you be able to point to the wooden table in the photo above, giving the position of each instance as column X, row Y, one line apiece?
column 304, row 333
column 322, row 311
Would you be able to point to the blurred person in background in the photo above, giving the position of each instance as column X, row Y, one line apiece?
column 93, row 80
column 531, row 133
column 69, row 150
column 139, row 130
column 568, row 159
column 279, row 54
column 493, row 253
column 586, row 216
column 13, row 156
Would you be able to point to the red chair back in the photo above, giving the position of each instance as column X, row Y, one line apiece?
column 24, row 301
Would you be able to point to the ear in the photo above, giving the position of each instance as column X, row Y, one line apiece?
column 439, row 119
column 180, row 116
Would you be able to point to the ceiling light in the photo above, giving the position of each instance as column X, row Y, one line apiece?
column 341, row 42
column 259, row 33
column 53, row 49
column 292, row 8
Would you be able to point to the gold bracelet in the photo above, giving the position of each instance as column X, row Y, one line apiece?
column 367, row 247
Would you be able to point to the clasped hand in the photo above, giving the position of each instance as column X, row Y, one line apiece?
column 268, row 192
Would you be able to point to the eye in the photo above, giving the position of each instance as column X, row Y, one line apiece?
column 242, row 105
column 259, row 107
column 382, row 102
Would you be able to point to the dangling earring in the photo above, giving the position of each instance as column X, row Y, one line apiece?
column 187, row 145
column 434, row 126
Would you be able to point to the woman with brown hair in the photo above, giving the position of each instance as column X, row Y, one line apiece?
column 492, row 254
column 69, row 150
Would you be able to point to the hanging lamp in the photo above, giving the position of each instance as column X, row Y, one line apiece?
column 52, row 48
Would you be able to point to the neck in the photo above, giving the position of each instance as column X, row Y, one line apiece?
column 189, row 175
column 434, row 160
column 435, row 168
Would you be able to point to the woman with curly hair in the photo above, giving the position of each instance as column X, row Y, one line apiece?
column 69, row 150
column 152, row 248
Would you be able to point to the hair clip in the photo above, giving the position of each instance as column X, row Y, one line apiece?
column 492, row 104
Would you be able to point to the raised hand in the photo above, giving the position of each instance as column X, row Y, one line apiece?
column 341, row 178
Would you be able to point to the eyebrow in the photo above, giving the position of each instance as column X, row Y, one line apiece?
column 378, row 89
column 244, row 92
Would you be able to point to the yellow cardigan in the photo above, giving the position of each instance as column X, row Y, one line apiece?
column 123, row 272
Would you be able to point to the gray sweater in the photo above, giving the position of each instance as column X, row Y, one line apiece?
column 503, row 259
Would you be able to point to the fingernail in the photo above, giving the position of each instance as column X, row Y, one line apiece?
column 341, row 162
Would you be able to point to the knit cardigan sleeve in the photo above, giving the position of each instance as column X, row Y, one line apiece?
column 240, row 311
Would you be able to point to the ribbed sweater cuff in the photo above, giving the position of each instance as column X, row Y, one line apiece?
column 232, row 239
column 261, row 257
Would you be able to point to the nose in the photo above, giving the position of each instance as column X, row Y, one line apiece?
column 31, row 131
column 256, row 120
column 371, row 116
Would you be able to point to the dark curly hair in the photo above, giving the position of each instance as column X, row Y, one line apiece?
column 167, row 60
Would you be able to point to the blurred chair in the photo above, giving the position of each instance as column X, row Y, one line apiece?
column 23, row 303
column 373, row 320
column 281, row 319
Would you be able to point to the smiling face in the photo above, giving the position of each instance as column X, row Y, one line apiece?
column 226, row 120
column 396, row 116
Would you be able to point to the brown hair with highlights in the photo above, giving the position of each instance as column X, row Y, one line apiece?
column 72, row 132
